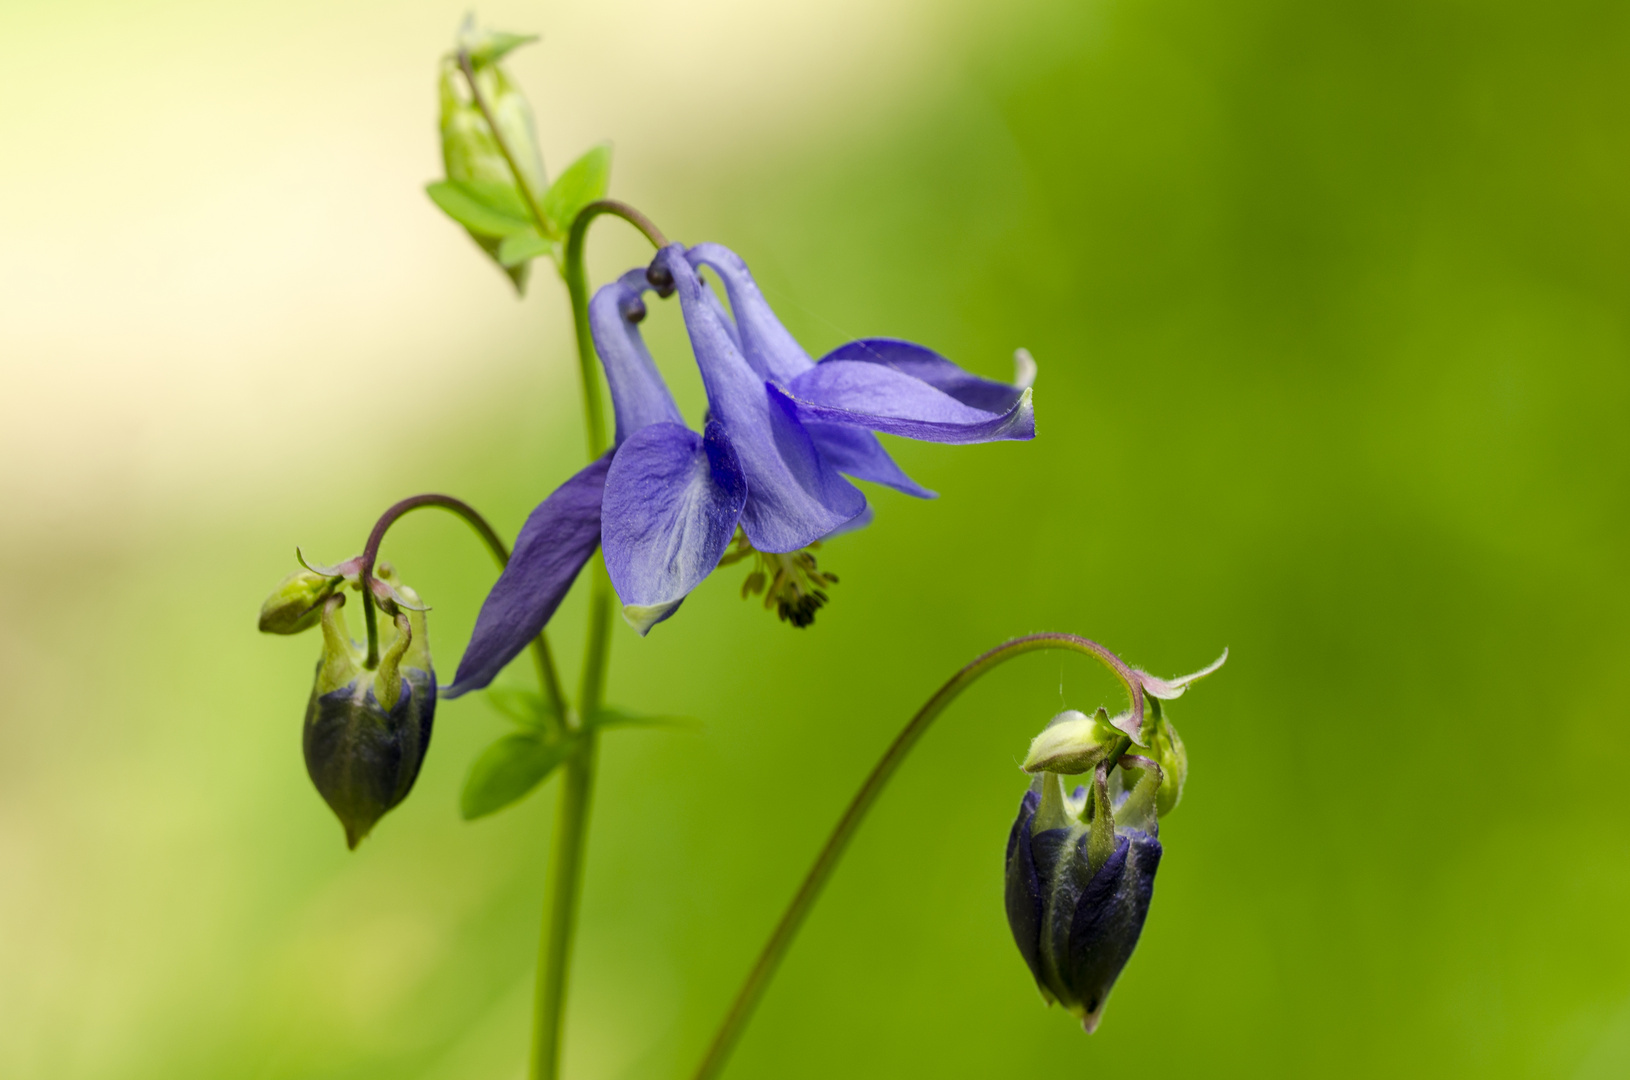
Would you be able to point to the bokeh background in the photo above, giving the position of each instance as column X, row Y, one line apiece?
column 1330, row 305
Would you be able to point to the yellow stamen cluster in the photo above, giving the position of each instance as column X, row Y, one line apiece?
column 789, row 582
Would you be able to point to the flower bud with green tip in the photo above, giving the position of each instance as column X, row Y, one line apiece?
column 297, row 602
column 1081, row 866
column 366, row 732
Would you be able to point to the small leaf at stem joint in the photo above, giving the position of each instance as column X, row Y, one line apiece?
column 611, row 717
column 520, row 247
column 509, row 769
column 485, row 208
column 527, row 708
column 585, row 180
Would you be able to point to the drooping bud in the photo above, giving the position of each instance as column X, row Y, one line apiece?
column 366, row 732
column 296, row 604
column 1081, row 866
column 1080, row 875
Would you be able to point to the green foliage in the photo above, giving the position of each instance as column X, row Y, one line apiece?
column 509, row 769
column 519, row 761
column 523, row 246
column 489, row 46
column 491, row 211
column 585, row 180
column 513, row 218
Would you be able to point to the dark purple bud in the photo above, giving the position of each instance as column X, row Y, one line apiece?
column 1076, row 918
column 366, row 732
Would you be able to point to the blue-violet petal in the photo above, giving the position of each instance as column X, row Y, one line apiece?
column 672, row 501
column 555, row 542
column 769, row 348
column 639, row 397
column 856, row 452
column 882, row 398
column 926, row 365
column 793, row 495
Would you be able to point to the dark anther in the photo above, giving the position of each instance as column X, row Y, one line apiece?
column 633, row 310
column 800, row 612
column 661, row 279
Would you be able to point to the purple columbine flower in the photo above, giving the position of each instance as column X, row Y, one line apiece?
column 781, row 432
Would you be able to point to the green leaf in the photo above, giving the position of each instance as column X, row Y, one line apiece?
column 508, row 770
column 611, row 717
column 487, row 209
column 585, row 180
column 490, row 46
column 523, row 247
column 527, row 708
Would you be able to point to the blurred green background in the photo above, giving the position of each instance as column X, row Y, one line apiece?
column 1330, row 304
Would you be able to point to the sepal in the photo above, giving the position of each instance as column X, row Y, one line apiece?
column 1172, row 689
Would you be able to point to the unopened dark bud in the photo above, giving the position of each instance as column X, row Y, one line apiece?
column 366, row 732
column 1080, row 876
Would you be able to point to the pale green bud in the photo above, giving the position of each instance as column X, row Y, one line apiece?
column 296, row 604
column 1074, row 743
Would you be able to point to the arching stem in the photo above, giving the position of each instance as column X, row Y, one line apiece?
column 758, row 980
column 577, row 285
column 548, row 677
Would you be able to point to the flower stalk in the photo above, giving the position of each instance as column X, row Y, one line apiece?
column 577, row 784
column 548, row 676
column 577, row 285
column 775, row 950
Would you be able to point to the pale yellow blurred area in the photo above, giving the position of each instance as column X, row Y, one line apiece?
column 215, row 240
column 222, row 288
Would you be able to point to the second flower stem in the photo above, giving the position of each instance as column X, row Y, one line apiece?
column 758, row 980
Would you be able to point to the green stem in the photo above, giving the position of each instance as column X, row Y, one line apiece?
column 571, row 834
column 547, row 675
column 758, row 980
column 577, row 786
column 560, row 908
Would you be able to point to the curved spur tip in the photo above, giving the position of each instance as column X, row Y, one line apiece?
column 1024, row 369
